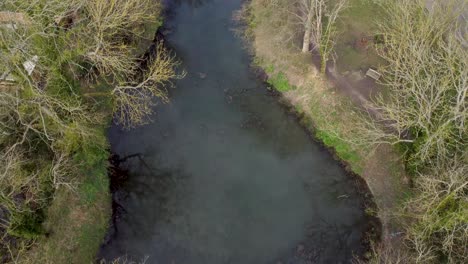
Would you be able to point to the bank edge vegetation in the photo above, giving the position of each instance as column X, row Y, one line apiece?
column 423, row 116
column 86, row 69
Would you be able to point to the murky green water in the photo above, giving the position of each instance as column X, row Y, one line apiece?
column 226, row 175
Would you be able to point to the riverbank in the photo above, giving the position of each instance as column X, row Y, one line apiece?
column 78, row 215
column 330, row 114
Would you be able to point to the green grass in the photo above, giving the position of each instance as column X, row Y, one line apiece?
column 74, row 226
column 280, row 82
column 27, row 225
column 332, row 124
column 342, row 148
column 77, row 219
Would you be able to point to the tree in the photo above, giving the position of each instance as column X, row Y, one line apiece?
column 115, row 25
column 426, row 75
column 134, row 99
column 439, row 214
column 318, row 19
column 111, row 27
column 426, row 112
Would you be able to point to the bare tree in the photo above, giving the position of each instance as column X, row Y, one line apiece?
column 318, row 19
column 439, row 211
column 427, row 109
column 111, row 24
column 133, row 100
column 427, row 76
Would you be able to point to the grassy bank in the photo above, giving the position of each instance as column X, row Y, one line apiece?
column 77, row 219
column 325, row 127
column 332, row 118
column 394, row 133
column 330, row 114
column 55, row 201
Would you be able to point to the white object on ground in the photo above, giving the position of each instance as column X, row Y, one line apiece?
column 31, row 64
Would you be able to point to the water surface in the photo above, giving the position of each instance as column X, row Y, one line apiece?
column 225, row 175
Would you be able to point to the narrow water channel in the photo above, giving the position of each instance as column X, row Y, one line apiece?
column 225, row 174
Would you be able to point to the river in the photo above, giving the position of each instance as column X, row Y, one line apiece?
column 225, row 174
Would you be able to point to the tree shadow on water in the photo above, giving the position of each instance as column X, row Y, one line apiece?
column 132, row 177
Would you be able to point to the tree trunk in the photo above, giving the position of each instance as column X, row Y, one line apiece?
column 323, row 65
column 306, row 43
column 324, row 53
column 307, row 33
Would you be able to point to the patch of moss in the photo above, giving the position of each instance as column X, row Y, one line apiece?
column 280, row 82
column 27, row 225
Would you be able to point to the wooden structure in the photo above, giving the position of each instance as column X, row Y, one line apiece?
column 373, row 74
